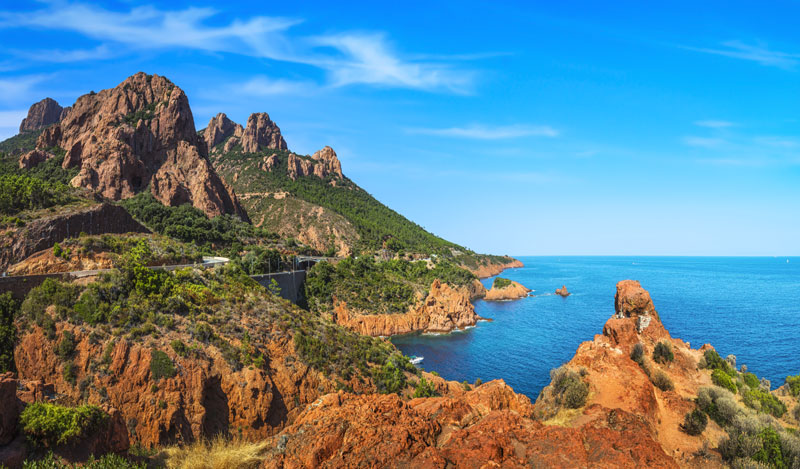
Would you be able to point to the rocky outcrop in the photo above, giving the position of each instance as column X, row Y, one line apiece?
column 40, row 115
column 513, row 291
column 446, row 308
column 261, row 133
column 329, row 163
column 140, row 135
column 489, row 268
column 34, row 157
column 220, row 128
column 563, row 291
column 111, row 437
column 45, row 262
column 19, row 243
column 488, row 426
column 618, row 385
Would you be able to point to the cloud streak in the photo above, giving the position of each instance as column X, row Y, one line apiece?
column 482, row 132
column 346, row 58
column 714, row 124
column 760, row 54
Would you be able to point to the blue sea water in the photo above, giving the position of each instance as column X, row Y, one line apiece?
column 746, row 306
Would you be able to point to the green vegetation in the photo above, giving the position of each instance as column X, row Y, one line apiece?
column 376, row 287
column 22, row 192
column 695, row 422
column 715, row 362
column 108, row 461
column 8, row 333
column 161, row 365
column 52, row 425
column 763, row 401
column 425, row 388
column 188, row 224
column 373, row 221
column 662, row 381
column 20, row 143
column 662, row 353
column 720, row 378
column 66, row 347
column 501, row 282
column 794, row 385
column 146, row 113
column 569, row 389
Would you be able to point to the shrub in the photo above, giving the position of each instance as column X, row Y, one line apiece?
column 662, row 353
column 161, row 365
column 637, row 354
column 715, row 362
column 739, row 444
column 568, row 388
column 467, row 387
column 750, row 379
column 763, row 401
column 718, row 403
column 8, row 332
column 794, row 385
column 796, row 412
column 720, row 378
column 389, row 378
column 54, row 425
column 695, row 422
column 108, row 461
column 179, row 347
column 66, row 347
column 69, row 373
column 424, row 388
column 501, row 282
column 770, row 451
column 662, row 381
column 478, row 382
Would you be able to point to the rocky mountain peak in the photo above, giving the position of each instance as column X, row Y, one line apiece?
column 137, row 135
column 330, row 163
column 219, row 128
column 40, row 115
column 261, row 133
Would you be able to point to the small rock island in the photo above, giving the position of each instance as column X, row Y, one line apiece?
column 504, row 289
column 563, row 291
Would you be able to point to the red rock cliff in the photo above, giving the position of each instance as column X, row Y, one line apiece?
column 140, row 134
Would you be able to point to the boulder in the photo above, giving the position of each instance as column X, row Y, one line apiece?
column 563, row 291
column 34, row 157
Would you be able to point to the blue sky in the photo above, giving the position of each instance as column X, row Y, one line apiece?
column 520, row 128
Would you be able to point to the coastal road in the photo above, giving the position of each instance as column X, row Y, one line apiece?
column 208, row 261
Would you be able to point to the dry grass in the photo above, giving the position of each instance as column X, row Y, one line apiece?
column 219, row 453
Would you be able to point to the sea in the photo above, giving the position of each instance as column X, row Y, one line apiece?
column 745, row 306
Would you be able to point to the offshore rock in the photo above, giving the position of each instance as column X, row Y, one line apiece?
column 563, row 291
column 514, row 291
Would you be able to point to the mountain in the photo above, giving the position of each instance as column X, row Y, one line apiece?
column 137, row 136
column 43, row 114
column 308, row 197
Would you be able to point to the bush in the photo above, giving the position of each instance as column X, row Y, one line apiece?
column 8, row 333
column 796, row 412
column 66, row 347
column 794, row 385
column 53, row 425
column 750, row 379
column 770, row 451
column 161, row 365
column 179, row 347
column 721, row 379
column 662, row 353
column 108, row 461
column 715, row 362
column 662, row 381
column 424, row 388
column 637, row 354
column 69, row 373
column 568, row 388
column 763, row 401
column 501, row 282
column 695, row 422
column 718, row 403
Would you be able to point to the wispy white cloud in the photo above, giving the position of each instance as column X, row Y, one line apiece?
column 483, row 132
column 707, row 142
column 265, row 86
column 760, row 54
column 19, row 88
column 12, row 118
column 347, row 58
column 100, row 52
column 368, row 58
column 715, row 124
